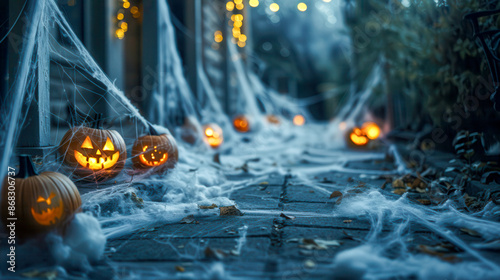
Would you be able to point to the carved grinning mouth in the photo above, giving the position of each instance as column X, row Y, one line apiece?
column 49, row 216
column 97, row 163
column 153, row 162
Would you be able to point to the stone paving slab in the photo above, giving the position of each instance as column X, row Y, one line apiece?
column 173, row 249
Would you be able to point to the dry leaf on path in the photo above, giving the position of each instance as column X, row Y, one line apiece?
column 214, row 254
column 230, row 211
column 471, row 232
column 335, row 194
column 179, row 268
column 189, row 220
column 208, row 207
column 288, row 217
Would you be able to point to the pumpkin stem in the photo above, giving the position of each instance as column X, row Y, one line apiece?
column 26, row 167
column 97, row 123
column 152, row 130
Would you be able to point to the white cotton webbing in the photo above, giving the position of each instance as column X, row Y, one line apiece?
column 19, row 92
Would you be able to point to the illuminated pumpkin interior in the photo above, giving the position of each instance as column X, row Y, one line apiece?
column 299, row 120
column 358, row 138
column 371, row 130
column 93, row 158
column 241, row 124
column 213, row 136
column 153, row 157
column 51, row 214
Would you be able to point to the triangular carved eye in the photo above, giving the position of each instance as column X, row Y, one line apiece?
column 109, row 146
column 87, row 144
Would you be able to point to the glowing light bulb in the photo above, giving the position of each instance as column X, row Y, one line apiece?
column 243, row 38
column 134, row 10
column 120, row 16
column 299, row 120
column 120, row 33
column 253, row 3
column 124, row 26
column 230, row 6
column 240, row 6
column 126, row 5
column 241, row 44
column 302, row 7
column 274, row 7
column 218, row 36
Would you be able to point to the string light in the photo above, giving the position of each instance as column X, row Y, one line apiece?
column 243, row 38
column 302, row 7
column 126, row 5
column 120, row 33
column 253, row 3
column 124, row 26
column 241, row 44
column 218, row 36
column 274, row 7
column 230, row 6
column 240, row 6
column 120, row 16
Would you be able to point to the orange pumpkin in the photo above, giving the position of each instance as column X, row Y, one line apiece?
column 154, row 151
column 357, row 138
column 241, row 124
column 93, row 154
column 213, row 135
column 43, row 202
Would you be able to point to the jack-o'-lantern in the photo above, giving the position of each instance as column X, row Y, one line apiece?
column 154, row 151
column 371, row 130
column 94, row 154
column 213, row 135
column 273, row 119
column 241, row 124
column 299, row 120
column 42, row 202
column 357, row 138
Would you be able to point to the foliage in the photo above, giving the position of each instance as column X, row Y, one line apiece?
column 430, row 56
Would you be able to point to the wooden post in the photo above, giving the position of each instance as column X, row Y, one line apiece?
column 34, row 137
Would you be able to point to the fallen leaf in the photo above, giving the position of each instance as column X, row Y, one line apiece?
column 214, row 254
column 230, row 211
column 383, row 185
column 399, row 191
column 335, row 194
column 311, row 191
column 398, row 183
column 179, row 268
column 432, row 251
column 347, row 221
column 208, row 207
column 470, row 232
column 288, row 217
column 339, row 201
column 314, row 244
column 349, row 236
column 188, row 220
column 264, row 183
column 350, row 180
column 424, row 201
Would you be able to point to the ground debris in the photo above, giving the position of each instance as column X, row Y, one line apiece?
column 288, row 217
column 189, row 220
column 208, row 207
column 214, row 253
column 471, row 232
column 309, row 264
column 230, row 211
column 180, row 268
column 424, row 201
column 314, row 244
column 440, row 252
column 49, row 275
column 335, row 194
column 347, row 221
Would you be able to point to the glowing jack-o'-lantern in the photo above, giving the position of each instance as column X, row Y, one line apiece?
column 93, row 153
column 213, row 135
column 241, row 124
column 299, row 120
column 42, row 202
column 371, row 130
column 358, row 138
column 155, row 151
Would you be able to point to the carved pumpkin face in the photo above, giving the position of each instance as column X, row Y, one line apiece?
column 358, row 138
column 94, row 154
column 49, row 210
column 155, row 151
column 241, row 124
column 213, row 135
column 43, row 202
